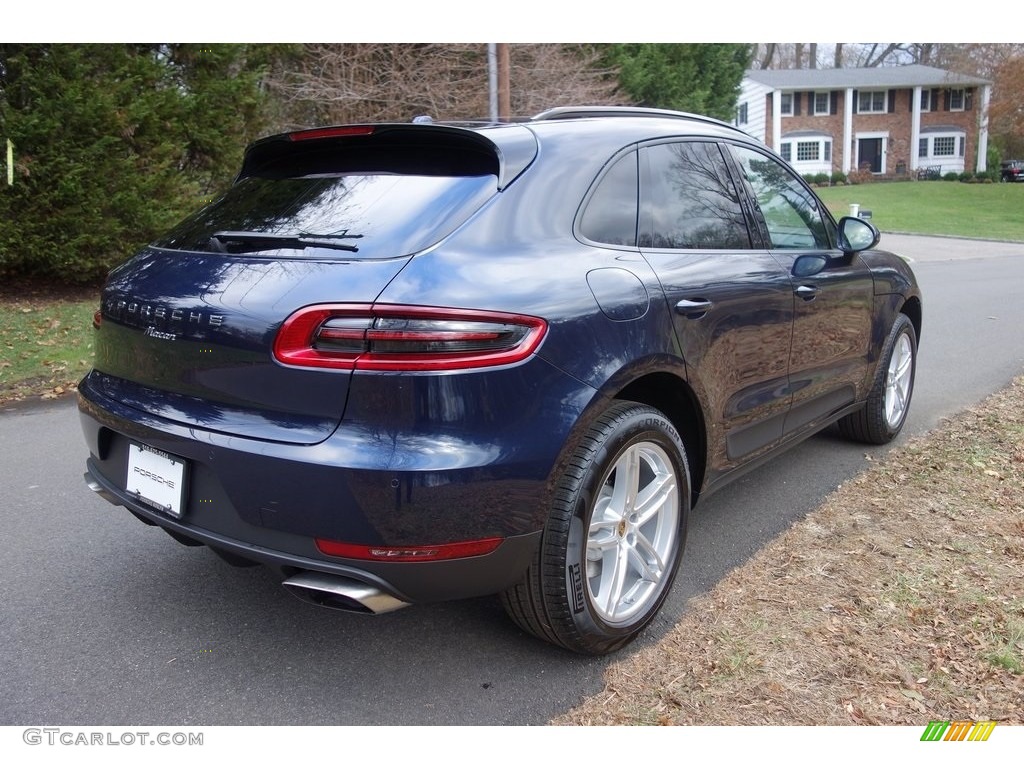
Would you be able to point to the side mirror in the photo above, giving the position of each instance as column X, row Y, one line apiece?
column 857, row 235
column 809, row 264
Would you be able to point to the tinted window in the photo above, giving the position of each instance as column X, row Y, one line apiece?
column 610, row 216
column 790, row 211
column 689, row 201
column 383, row 215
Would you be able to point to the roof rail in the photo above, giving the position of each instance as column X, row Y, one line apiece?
column 567, row 113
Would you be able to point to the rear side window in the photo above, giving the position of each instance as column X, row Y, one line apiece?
column 688, row 199
column 376, row 215
column 610, row 216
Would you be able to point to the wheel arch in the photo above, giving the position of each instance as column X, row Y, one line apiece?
column 674, row 397
column 912, row 309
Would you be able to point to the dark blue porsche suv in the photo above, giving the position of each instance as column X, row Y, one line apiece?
column 403, row 363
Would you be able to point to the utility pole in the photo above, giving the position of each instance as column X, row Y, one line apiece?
column 504, row 94
column 492, row 80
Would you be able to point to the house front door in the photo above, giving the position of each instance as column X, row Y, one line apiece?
column 869, row 153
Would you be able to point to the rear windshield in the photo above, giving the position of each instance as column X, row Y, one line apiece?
column 370, row 215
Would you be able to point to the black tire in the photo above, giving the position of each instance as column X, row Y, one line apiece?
column 888, row 403
column 631, row 454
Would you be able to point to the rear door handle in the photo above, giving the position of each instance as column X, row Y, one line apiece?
column 693, row 308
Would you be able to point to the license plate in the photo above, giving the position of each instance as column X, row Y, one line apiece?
column 157, row 478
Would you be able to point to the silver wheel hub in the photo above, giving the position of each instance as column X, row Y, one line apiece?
column 633, row 533
column 898, row 381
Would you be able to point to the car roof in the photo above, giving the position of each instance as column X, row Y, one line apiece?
column 595, row 133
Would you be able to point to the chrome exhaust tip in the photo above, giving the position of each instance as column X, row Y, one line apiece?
column 341, row 593
column 96, row 487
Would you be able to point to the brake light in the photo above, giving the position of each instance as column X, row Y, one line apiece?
column 331, row 133
column 404, row 338
column 408, row 554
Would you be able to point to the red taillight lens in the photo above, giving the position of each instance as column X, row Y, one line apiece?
column 403, row 338
column 409, row 554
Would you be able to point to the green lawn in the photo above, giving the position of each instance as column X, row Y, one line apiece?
column 45, row 341
column 993, row 211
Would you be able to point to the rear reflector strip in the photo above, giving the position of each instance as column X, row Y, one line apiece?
column 409, row 554
column 405, row 338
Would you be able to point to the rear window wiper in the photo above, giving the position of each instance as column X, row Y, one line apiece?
column 254, row 241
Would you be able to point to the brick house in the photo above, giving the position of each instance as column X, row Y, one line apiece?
column 889, row 121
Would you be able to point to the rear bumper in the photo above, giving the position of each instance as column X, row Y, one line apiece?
column 267, row 502
column 408, row 582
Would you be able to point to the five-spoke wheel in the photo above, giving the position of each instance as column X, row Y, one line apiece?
column 633, row 530
column 614, row 536
column 885, row 411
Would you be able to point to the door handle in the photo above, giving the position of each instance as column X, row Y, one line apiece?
column 693, row 308
column 806, row 292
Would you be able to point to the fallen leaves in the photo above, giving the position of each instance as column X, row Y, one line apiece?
column 922, row 616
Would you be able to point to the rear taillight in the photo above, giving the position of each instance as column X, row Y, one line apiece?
column 452, row 551
column 386, row 337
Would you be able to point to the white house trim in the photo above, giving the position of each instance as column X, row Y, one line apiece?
column 883, row 135
column 986, row 94
column 848, row 131
column 915, row 129
column 777, row 121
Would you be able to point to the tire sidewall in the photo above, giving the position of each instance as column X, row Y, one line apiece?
column 902, row 327
column 641, row 425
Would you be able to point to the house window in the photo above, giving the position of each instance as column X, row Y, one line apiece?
column 926, row 100
column 944, row 146
column 808, row 153
column 956, row 100
column 871, row 101
column 741, row 114
column 808, row 150
column 821, row 103
column 786, row 103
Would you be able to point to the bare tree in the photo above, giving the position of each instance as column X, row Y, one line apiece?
column 785, row 55
column 372, row 82
column 876, row 54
